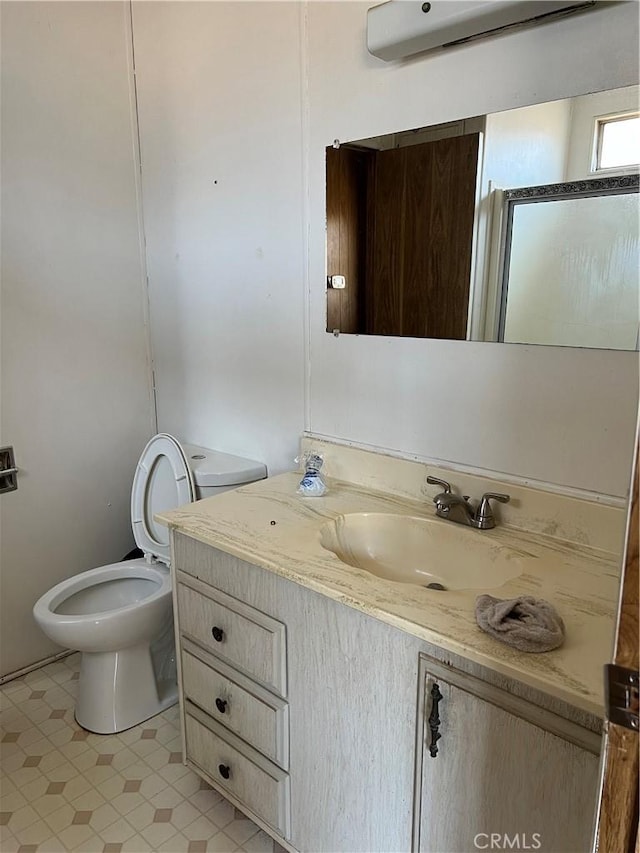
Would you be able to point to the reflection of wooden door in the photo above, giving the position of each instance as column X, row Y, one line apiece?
column 420, row 228
column 346, row 238
column 617, row 819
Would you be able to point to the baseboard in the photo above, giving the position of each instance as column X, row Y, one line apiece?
column 18, row 673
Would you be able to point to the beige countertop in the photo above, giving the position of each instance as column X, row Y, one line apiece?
column 581, row 581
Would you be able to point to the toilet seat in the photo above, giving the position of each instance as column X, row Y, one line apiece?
column 112, row 625
column 163, row 481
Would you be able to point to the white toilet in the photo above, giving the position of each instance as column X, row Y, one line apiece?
column 120, row 616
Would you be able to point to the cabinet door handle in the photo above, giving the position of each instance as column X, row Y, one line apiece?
column 434, row 720
column 224, row 770
column 221, row 705
column 217, row 634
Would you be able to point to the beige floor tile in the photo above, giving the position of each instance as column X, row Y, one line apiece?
column 93, row 844
column 12, row 763
column 48, row 804
column 33, row 790
column 142, row 816
column 87, row 758
column 184, row 814
column 42, row 746
column 13, row 801
column 110, row 787
column 137, row 844
column 73, row 837
column 61, row 818
column 259, row 843
column 6, row 785
column 50, row 726
column 7, row 749
column 52, row 845
column 130, row 735
column 152, row 784
column 89, row 799
column 200, row 829
column 175, row 745
column 76, row 786
column 100, row 775
column 159, row 758
column 25, row 775
column 23, row 818
column 158, row 833
column 118, row 832
column 144, row 748
column 221, row 814
column 187, row 784
column 176, row 844
column 124, row 758
column 221, row 843
column 103, row 817
column 173, row 772
column 241, row 829
column 35, row 833
column 168, row 798
column 10, row 843
column 125, row 803
column 52, row 761
column 207, row 799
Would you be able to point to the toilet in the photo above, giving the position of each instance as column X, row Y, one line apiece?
column 120, row 616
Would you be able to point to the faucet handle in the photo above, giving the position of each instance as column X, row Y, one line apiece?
column 434, row 481
column 484, row 516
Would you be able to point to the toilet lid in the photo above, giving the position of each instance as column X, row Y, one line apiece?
column 162, row 482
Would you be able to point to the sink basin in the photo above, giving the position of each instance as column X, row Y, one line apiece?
column 420, row 551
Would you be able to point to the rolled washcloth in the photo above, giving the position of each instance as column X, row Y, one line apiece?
column 526, row 623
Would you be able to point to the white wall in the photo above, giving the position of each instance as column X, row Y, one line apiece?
column 219, row 93
column 565, row 416
column 527, row 146
column 76, row 400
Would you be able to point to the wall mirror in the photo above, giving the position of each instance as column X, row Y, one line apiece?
column 518, row 227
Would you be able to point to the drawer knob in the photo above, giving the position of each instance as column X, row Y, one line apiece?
column 221, row 705
column 224, row 770
column 217, row 634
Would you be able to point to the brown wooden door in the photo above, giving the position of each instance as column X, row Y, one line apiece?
column 346, row 236
column 617, row 818
column 421, row 205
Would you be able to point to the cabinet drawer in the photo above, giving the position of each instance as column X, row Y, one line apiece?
column 255, row 781
column 237, row 703
column 233, row 631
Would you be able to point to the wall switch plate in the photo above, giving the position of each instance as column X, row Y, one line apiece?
column 337, row 282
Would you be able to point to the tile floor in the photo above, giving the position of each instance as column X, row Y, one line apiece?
column 63, row 789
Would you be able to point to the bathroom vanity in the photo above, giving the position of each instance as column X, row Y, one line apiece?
column 346, row 712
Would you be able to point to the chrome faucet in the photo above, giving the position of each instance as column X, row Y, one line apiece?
column 461, row 511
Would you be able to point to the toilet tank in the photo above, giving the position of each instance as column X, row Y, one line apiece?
column 215, row 472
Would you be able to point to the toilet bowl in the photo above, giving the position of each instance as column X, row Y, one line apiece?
column 120, row 616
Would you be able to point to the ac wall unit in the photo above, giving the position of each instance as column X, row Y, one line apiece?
column 402, row 28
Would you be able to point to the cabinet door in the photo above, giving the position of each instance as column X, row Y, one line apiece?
column 497, row 780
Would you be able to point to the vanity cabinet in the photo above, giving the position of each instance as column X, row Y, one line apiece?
column 313, row 718
column 494, row 771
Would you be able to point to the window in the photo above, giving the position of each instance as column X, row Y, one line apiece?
column 617, row 142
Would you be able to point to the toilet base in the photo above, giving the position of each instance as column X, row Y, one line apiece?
column 118, row 690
